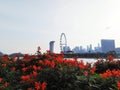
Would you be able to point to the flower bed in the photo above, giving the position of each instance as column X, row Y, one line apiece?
column 49, row 71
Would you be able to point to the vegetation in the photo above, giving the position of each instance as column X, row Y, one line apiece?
column 49, row 71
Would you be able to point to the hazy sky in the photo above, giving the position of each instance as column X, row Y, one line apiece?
column 26, row 24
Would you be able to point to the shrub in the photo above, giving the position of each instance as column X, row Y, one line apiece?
column 109, row 63
column 51, row 71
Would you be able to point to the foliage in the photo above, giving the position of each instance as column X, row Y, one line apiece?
column 109, row 63
column 51, row 71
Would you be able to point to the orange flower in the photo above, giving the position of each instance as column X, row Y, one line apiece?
column 92, row 70
column 39, row 68
column 107, row 74
column 5, row 58
column 13, row 68
column 35, row 73
column 1, row 80
column 110, row 58
column 25, row 77
column 29, row 88
column 116, row 73
column 37, row 85
column 81, row 65
column 85, row 73
column 118, row 85
column 3, row 65
column 59, row 59
column 41, row 62
column 47, row 63
column 35, row 67
column 104, row 75
column 52, row 64
column 5, row 85
column 24, row 69
column 44, row 84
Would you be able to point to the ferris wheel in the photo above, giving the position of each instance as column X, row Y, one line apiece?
column 63, row 41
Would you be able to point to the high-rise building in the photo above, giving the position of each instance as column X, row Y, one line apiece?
column 107, row 45
column 76, row 49
column 51, row 46
column 66, row 49
column 89, row 48
column 98, row 49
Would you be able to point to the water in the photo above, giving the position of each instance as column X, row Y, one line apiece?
column 90, row 60
column 85, row 60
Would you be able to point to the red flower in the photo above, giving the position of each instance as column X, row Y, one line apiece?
column 24, row 69
column 59, row 59
column 35, row 73
column 35, row 67
column 29, row 88
column 5, row 85
column 41, row 62
column 110, row 58
column 39, row 68
column 118, row 85
column 44, row 84
column 81, row 65
column 52, row 64
column 5, row 58
column 47, row 63
column 107, row 74
column 25, row 77
column 1, row 80
column 3, row 65
column 85, row 73
column 37, row 85
column 104, row 75
column 116, row 73
column 92, row 70
column 13, row 68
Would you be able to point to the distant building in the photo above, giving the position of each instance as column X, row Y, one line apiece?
column 89, row 49
column 107, row 45
column 1, row 54
column 98, row 49
column 76, row 49
column 51, row 47
column 117, row 50
column 82, row 50
column 66, row 49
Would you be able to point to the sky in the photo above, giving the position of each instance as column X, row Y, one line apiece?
column 27, row 24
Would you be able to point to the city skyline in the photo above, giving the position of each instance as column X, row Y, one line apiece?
column 105, row 46
column 27, row 24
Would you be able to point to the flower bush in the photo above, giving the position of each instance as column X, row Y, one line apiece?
column 51, row 71
column 109, row 63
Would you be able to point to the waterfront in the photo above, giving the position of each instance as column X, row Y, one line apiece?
column 85, row 60
column 89, row 60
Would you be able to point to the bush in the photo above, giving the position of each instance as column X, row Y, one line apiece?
column 51, row 71
column 109, row 63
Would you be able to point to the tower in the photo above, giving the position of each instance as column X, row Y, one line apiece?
column 51, row 46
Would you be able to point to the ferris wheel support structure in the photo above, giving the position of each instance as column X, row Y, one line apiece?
column 62, row 44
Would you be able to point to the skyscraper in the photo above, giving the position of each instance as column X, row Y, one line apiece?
column 51, row 46
column 107, row 45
